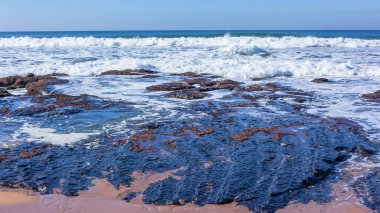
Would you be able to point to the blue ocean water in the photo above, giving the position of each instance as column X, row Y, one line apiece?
column 362, row 34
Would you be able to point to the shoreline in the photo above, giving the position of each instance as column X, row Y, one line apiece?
column 146, row 158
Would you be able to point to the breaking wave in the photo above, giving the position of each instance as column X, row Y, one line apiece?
column 247, row 51
column 231, row 57
column 260, row 42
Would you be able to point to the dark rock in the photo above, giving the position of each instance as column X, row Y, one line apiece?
column 150, row 76
column 253, row 88
column 170, row 144
column 172, row 86
column 372, row 96
column 4, row 110
column 4, row 156
column 222, row 84
column 136, row 147
column 271, row 130
column 285, row 157
column 270, row 87
column 202, row 132
column 143, row 136
column 55, row 74
column 367, row 188
column 30, row 154
column 299, row 100
column 193, row 81
column 154, row 125
column 188, row 94
column 59, row 104
column 4, row 93
column 129, row 72
column 188, row 74
column 258, row 79
column 131, row 196
column 274, row 87
column 21, row 82
column 14, row 82
column 30, row 75
column 247, row 105
column 260, row 173
column 8, row 81
column 62, row 100
column 320, row 80
column 39, row 87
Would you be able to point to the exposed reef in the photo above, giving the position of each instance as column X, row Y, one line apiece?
column 321, row 80
column 254, row 146
column 372, row 96
column 129, row 72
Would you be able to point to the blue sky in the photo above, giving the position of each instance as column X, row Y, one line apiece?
column 32, row 15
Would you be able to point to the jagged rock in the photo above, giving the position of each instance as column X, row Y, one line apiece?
column 222, row 84
column 170, row 144
column 14, row 82
column 8, row 81
column 4, row 110
column 4, row 93
column 367, row 188
column 193, row 81
column 150, row 76
column 188, row 94
column 372, row 96
column 187, row 74
column 172, row 86
column 270, row 87
column 39, row 87
column 30, row 154
column 320, row 80
column 276, row 130
column 144, row 136
column 56, row 74
column 128, row 72
column 299, row 100
column 59, row 104
column 258, row 79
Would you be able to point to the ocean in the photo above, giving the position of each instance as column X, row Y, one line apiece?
column 240, row 55
column 235, row 54
column 293, row 127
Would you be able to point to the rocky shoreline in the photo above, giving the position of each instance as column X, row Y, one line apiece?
column 255, row 146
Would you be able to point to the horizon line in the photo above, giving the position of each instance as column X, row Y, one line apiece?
column 190, row 30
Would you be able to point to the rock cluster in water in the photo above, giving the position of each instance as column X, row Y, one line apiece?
column 372, row 96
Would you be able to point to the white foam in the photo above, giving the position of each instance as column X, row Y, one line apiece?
column 48, row 135
column 247, row 51
column 232, row 57
column 260, row 42
column 342, row 99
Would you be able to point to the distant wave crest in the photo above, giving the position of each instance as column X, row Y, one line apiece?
column 247, row 51
column 259, row 42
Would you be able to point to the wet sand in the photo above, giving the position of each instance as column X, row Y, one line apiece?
column 102, row 197
column 345, row 201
